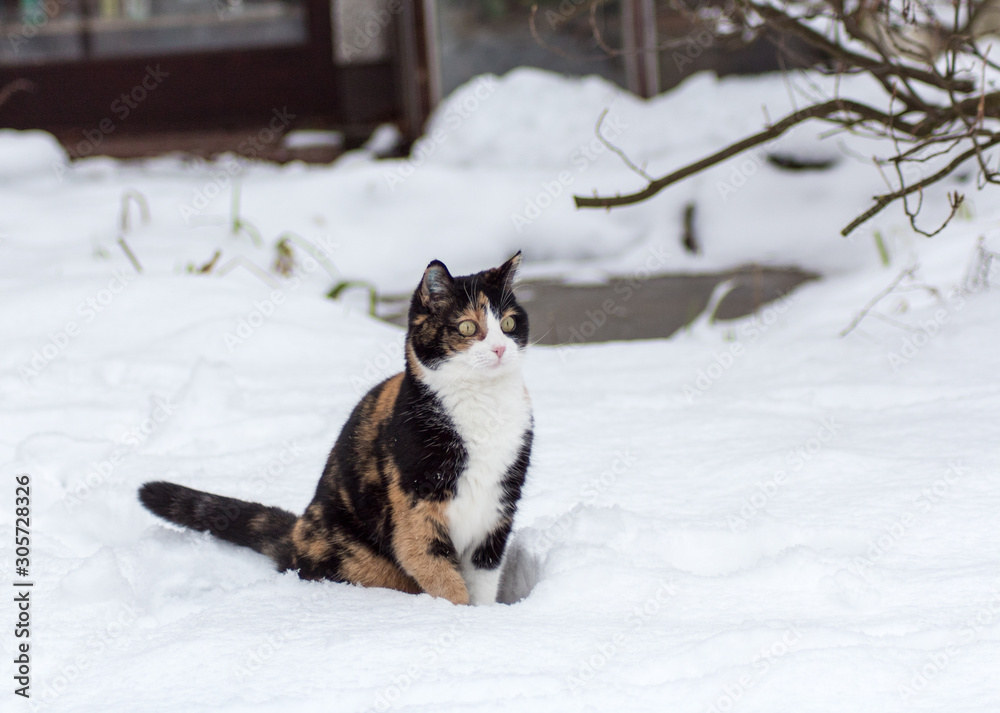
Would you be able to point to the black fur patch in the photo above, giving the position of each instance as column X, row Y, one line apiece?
column 489, row 554
column 426, row 447
column 443, row 548
column 513, row 481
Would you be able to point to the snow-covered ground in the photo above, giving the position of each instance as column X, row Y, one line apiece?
column 757, row 516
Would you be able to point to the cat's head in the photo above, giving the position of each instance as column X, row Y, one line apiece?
column 467, row 327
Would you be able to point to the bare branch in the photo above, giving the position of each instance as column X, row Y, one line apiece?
column 817, row 111
column 882, row 201
column 879, row 68
column 922, row 54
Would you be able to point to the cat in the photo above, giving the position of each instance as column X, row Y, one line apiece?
column 420, row 488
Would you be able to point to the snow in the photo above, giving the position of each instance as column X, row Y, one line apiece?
column 311, row 138
column 384, row 140
column 754, row 516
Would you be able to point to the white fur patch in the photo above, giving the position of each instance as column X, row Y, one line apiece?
column 486, row 400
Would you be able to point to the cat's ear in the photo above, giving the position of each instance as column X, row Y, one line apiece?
column 436, row 286
column 504, row 275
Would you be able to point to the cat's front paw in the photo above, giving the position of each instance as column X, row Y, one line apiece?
column 440, row 580
column 455, row 592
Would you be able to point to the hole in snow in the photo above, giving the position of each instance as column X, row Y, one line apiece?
column 521, row 570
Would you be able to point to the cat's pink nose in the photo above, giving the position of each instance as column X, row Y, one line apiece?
column 499, row 349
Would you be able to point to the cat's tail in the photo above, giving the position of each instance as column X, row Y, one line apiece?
column 267, row 530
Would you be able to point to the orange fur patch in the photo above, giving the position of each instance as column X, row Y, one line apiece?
column 418, row 524
column 310, row 539
column 364, row 567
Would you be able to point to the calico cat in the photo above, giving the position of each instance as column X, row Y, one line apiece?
column 419, row 491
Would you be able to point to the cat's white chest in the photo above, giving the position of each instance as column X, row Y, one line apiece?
column 492, row 423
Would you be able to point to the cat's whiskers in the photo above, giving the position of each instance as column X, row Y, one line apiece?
column 543, row 336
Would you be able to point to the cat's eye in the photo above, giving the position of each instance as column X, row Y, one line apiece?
column 507, row 324
column 467, row 328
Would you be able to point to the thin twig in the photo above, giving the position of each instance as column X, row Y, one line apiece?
column 882, row 201
column 615, row 149
column 908, row 272
column 11, row 88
